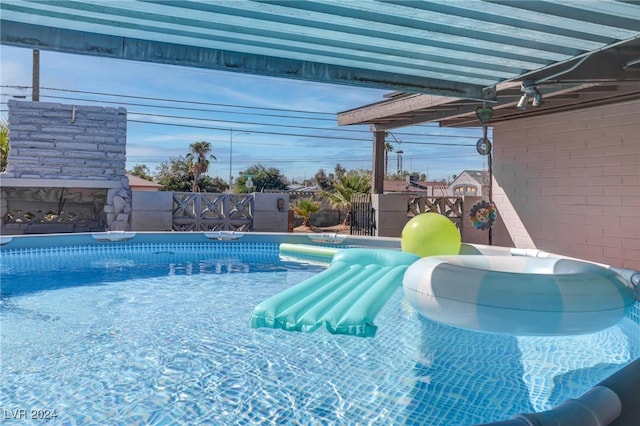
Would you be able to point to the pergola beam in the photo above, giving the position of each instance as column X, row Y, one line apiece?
column 78, row 42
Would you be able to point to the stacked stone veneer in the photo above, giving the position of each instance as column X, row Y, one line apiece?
column 56, row 145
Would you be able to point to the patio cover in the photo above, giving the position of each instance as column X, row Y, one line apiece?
column 461, row 51
column 453, row 48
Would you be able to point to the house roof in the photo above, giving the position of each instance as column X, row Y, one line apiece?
column 478, row 175
column 135, row 181
column 419, row 186
column 303, row 188
column 445, row 47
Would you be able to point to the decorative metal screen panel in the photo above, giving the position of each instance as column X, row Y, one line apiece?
column 200, row 211
column 363, row 219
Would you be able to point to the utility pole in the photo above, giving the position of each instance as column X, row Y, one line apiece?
column 231, row 155
column 400, row 167
column 35, row 84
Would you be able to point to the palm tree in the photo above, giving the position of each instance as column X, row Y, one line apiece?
column 347, row 186
column 304, row 208
column 200, row 163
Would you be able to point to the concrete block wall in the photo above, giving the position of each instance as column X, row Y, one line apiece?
column 152, row 211
column 471, row 234
column 266, row 215
column 569, row 183
column 391, row 217
column 391, row 213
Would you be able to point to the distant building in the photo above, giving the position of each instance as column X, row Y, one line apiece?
column 138, row 184
column 411, row 184
column 312, row 189
column 470, row 183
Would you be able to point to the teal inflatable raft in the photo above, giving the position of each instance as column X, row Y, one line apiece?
column 346, row 297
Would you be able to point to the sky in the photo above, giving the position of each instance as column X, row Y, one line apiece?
column 287, row 124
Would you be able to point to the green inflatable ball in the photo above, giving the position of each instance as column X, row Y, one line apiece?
column 430, row 234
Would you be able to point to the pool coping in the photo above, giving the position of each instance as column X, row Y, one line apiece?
column 10, row 242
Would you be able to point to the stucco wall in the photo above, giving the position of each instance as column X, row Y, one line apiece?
column 569, row 183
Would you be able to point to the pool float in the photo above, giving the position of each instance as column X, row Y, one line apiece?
column 346, row 297
column 517, row 295
column 307, row 252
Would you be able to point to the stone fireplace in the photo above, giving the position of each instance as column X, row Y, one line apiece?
column 66, row 169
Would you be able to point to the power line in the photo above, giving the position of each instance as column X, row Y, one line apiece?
column 185, row 102
column 368, row 139
column 245, row 122
column 302, row 127
column 186, row 108
column 363, row 157
column 223, row 112
column 294, row 134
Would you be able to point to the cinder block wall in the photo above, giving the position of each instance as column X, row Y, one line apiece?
column 151, row 211
column 569, row 183
column 267, row 217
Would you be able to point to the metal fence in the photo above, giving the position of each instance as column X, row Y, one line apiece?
column 363, row 217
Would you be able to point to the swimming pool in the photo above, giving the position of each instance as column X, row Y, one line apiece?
column 155, row 331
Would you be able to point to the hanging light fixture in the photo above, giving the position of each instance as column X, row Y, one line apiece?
column 529, row 91
column 537, row 99
column 522, row 103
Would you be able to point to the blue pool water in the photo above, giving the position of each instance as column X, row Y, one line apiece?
column 158, row 334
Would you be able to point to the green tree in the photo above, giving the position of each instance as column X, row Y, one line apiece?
column 304, row 208
column 199, row 157
column 177, row 175
column 216, row 184
column 352, row 183
column 142, row 171
column 322, row 180
column 263, row 179
column 401, row 176
column 4, row 145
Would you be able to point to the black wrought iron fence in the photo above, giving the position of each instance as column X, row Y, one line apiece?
column 363, row 219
